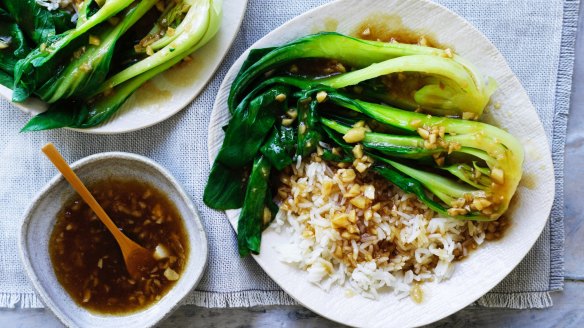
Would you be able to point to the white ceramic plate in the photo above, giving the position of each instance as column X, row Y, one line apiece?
column 487, row 266
column 170, row 92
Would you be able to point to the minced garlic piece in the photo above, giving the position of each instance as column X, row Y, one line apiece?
column 321, row 96
column 160, row 252
column 171, row 275
column 94, row 40
column 498, row 175
column 354, row 135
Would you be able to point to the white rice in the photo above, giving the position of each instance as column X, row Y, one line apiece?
column 424, row 245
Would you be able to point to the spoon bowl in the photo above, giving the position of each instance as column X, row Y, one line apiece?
column 139, row 261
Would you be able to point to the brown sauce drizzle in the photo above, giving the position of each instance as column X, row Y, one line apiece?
column 388, row 28
column 149, row 94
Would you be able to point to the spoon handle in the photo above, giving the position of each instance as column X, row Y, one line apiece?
column 55, row 157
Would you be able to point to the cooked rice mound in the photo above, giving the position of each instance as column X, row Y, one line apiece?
column 358, row 231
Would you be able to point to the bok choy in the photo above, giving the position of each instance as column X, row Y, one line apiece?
column 448, row 84
column 411, row 110
column 36, row 69
column 13, row 47
column 89, row 70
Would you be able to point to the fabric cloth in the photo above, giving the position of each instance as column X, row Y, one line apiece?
column 536, row 37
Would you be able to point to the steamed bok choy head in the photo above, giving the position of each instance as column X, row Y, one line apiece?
column 194, row 25
column 40, row 64
column 86, row 97
column 446, row 84
column 472, row 168
column 90, row 65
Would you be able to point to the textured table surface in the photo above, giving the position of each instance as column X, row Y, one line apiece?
column 568, row 309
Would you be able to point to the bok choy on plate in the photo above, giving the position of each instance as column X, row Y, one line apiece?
column 86, row 58
column 405, row 114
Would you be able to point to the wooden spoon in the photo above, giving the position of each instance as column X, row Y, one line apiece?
column 138, row 259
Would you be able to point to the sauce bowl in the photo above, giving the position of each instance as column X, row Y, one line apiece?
column 40, row 218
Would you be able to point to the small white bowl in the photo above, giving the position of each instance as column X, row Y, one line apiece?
column 40, row 219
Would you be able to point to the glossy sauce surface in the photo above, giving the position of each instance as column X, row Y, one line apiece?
column 88, row 262
column 389, row 28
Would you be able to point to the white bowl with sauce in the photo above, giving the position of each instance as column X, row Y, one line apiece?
column 40, row 220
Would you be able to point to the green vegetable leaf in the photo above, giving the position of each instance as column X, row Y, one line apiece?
column 248, row 128
column 308, row 131
column 244, row 136
column 13, row 47
column 6, row 79
column 84, row 74
column 278, row 148
column 226, row 190
column 251, row 223
column 62, row 20
column 68, row 114
column 255, row 55
column 271, row 206
column 36, row 21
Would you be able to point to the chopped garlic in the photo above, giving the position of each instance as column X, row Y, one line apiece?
column 321, row 96
column 354, row 135
column 94, row 40
column 170, row 274
column 498, row 175
column 369, row 192
column 160, row 252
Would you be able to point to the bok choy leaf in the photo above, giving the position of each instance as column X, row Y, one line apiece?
column 108, row 96
column 87, row 71
column 40, row 64
column 450, row 85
